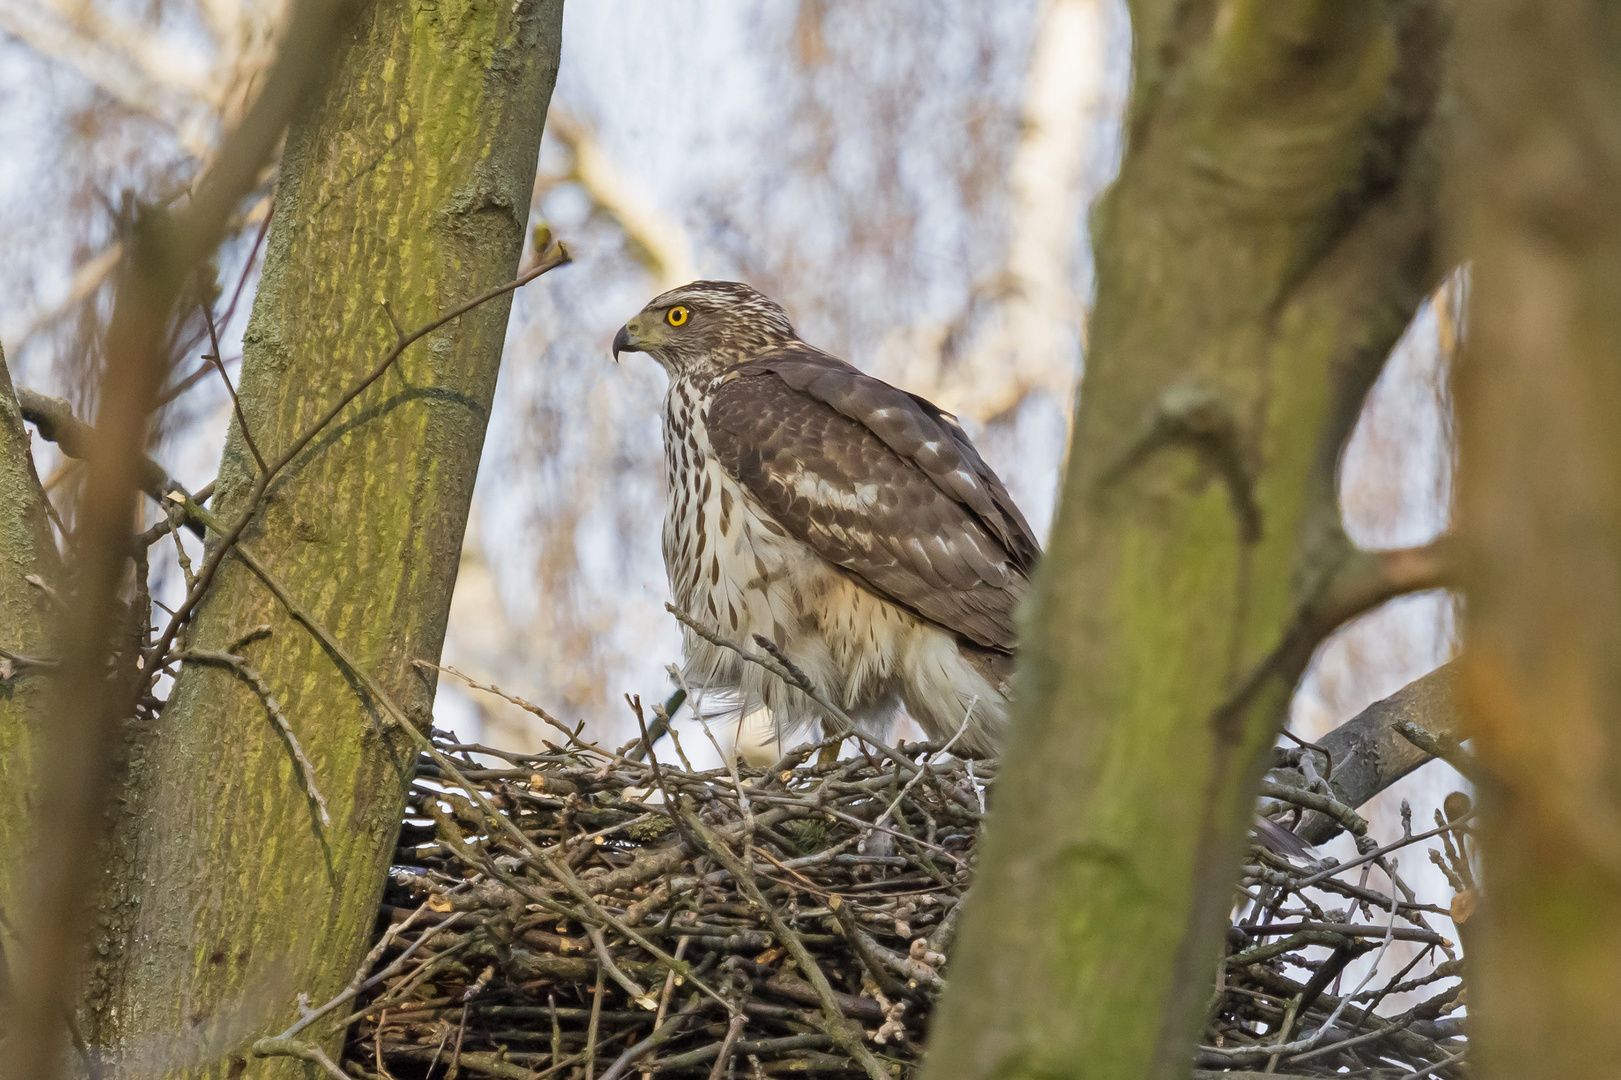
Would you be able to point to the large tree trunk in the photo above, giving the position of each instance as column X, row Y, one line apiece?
column 406, row 187
column 26, row 550
column 1539, row 402
column 1269, row 237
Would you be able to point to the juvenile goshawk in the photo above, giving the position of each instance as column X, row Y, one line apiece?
column 849, row 522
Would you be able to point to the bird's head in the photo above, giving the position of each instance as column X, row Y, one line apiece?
column 706, row 327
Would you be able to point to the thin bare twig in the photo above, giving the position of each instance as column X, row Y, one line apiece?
column 229, row 535
column 1379, row 853
column 248, row 264
column 360, row 982
column 663, row 1032
column 924, row 761
column 251, row 676
column 797, row 680
column 730, row 760
column 606, row 960
column 592, row 1029
column 527, row 706
column 723, row 1060
column 832, row 1014
column 218, row 362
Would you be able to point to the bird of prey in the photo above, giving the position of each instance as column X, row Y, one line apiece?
column 848, row 522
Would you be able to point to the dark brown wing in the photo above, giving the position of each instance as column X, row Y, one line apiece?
column 880, row 483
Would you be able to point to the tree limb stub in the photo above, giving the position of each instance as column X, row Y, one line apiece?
column 55, row 422
column 1370, row 754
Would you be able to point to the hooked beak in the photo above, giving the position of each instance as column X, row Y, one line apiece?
column 625, row 342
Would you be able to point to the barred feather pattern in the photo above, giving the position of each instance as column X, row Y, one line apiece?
column 736, row 568
column 850, row 523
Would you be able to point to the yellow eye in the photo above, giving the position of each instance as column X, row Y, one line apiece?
column 676, row 315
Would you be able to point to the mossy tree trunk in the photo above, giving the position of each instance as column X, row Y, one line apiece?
column 26, row 550
column 1538, row 191
column 1269, row 237
column 407, row 185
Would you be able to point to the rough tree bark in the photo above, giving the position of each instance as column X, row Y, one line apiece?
column 1538, row 187
column 1269, row 237
column 405, row 189
column 26, row 550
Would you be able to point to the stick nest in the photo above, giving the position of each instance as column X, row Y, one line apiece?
column 663, row 921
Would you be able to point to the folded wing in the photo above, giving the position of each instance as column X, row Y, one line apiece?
column 880, row 483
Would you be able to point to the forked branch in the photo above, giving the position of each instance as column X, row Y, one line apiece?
column 1359, row 582
column 1370, row 578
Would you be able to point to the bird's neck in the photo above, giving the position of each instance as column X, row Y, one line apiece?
column 684, row 434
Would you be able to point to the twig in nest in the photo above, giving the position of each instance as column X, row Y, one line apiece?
column 923, row 763
column 662, row 1033
column 833, row 1017
column 527, row 706
column 591, row 1031
column 606, row 960
column 660, row 727
column 1379, row 853
column 723, row 1060
column 730, row 760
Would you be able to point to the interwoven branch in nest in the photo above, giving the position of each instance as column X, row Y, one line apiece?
column 644, row 928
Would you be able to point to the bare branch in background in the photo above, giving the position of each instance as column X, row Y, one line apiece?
column 1033, row 318
column 132, row 64
column 657, row 241
column 90, row 276
column 145, row 68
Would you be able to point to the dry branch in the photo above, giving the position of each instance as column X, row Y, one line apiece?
column 816, row 950
column 1370, row 754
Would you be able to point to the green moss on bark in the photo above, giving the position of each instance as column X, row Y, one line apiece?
column 26, row 549
column 407, row 184
column 1266, row 241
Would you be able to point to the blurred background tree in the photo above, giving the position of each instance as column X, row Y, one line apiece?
column 1537, row 180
